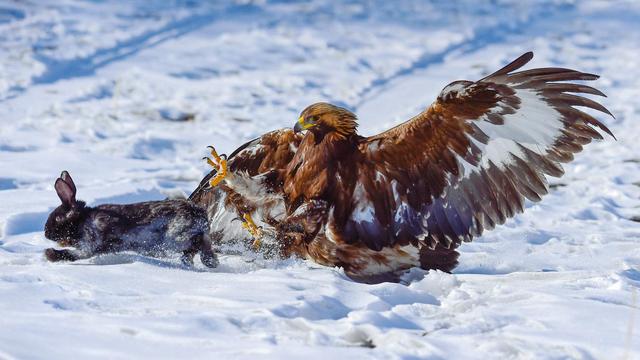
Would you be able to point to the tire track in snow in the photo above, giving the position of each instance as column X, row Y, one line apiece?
column 86, row 66
column 481, row 38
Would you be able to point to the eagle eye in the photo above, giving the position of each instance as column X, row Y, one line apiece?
column 311, row 119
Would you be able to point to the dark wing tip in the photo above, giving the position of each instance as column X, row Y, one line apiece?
column 606, row 129
column 588, row 76
column 521, row 61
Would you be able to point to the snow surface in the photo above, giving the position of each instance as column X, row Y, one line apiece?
column 126, row 95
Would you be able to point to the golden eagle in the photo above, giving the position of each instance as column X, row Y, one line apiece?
column 411, row 195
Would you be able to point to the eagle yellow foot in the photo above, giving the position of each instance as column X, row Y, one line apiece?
column 218, row 162
column 254, row 230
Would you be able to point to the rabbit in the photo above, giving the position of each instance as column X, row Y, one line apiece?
column 150, row 228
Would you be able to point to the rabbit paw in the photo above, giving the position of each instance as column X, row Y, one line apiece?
column 209, row 260
column 59, row 255
column 187, row 258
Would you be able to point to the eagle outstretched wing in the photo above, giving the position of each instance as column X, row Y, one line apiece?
column 468, row 161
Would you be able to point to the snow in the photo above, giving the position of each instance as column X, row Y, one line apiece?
column 126, row 95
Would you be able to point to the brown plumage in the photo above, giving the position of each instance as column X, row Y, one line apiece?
column 254, row 186
column 410, row 195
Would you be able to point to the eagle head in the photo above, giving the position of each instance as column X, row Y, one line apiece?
column 324, row 118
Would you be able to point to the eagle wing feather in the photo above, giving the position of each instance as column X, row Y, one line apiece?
column 468, row 162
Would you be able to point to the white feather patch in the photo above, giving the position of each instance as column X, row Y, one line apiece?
column 402, row 257
column 536, row 125
column 364, row 211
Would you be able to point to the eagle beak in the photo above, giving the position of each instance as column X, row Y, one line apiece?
column 299, row 125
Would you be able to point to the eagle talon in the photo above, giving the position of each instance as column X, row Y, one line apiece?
column 214, row 153
column 254, row 230
column 210, row 162
column 256, row 244
column 217, row 159
column 219, row 162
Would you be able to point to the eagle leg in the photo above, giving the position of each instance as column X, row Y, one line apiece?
column 220, row 175
column 253, row 229
column 219, row 162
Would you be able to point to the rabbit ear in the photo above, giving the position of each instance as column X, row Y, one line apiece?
column 65, row 192
column 67, row 178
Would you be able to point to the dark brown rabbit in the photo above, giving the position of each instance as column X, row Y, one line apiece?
column 151, row 228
